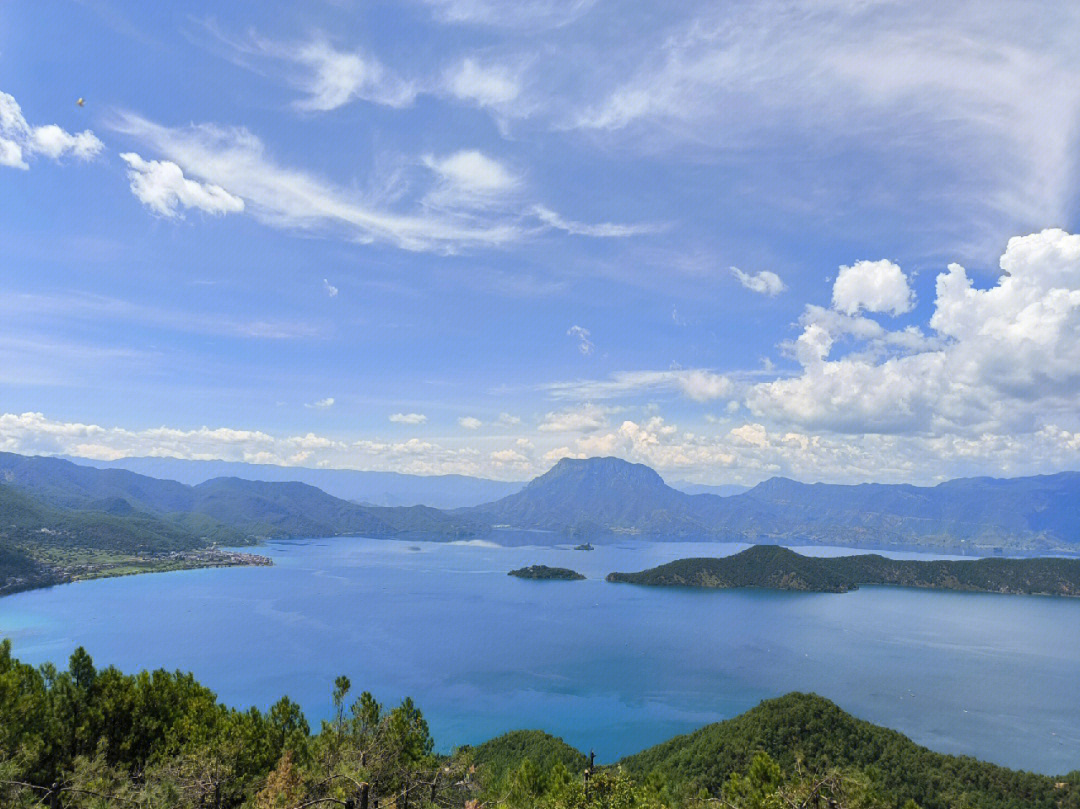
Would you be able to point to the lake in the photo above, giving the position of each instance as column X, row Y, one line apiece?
column 611, row 667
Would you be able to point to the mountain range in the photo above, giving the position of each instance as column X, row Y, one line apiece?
column 598, row 497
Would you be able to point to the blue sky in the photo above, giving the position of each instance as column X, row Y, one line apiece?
column 728, row 240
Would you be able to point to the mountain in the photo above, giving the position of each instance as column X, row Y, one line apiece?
column 598, row 495
column 375, row 488
column 222, row 505
column 608, row 495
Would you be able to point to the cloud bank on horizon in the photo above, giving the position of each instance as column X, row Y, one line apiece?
column 540, row 236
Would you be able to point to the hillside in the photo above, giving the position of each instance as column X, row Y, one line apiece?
column 42, row 544
column 223, row 507
column 162, row 739
column 777, row 568
column 813, row 730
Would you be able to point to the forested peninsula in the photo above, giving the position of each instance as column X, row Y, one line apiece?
column 90, row 738
column 777, row 568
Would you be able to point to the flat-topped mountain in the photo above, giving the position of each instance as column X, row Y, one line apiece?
column 598, row 495
column 777, row 568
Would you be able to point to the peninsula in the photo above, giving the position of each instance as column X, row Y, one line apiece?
column 778, row 568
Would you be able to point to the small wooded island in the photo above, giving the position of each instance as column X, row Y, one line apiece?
column 545, row 572
column 777, row 568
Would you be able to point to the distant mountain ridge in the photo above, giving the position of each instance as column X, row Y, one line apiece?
column 374, row 488
column 590, row 498
column 609, row 495
column 255, row 508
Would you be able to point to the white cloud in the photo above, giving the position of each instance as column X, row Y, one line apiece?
column 764, row 282
column 473, row 171
column 585, row 345
column 604, row 230
column 876, row 286
column 329, row 288
column 408, row 418
column 1001, row 360
column 322, row 404
column 698, row 384
column 969, row 90
column 339, row 77
column 485, row 85
column 162, row 187
column 527, row 14
column 286, row 197
column 585, row 419
column 508, row 420
column 470, row 422
column 20, row 141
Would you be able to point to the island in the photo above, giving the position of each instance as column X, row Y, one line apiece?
column 777, row 568
column 584, row 546
column 545, row 572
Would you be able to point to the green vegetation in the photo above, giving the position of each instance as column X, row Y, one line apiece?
column 42, row 545
column 585, row 546
column 96, row 739
column 545, row 572
column 778, row 568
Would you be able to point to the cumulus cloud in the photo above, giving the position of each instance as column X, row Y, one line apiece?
column 585, row 345
column 484, row 85
column 764, row 282
column 999, row 360
column 36, row 434
column 408, row 418
column 874, row 286
column 19, row 141
column 161, row 186
column 508, row 420
column 322, row 404
column 470, row 422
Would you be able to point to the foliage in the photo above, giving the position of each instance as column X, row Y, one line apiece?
column 89, row 738
column 779, row 568
column 545, row 572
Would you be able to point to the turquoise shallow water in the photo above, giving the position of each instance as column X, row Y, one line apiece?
column 611, row 667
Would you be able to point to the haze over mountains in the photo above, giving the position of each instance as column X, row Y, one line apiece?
column 596, row 497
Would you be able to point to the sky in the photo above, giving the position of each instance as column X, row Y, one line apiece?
column 829, row 240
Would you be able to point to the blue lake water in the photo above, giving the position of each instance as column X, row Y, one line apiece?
column 611, row 667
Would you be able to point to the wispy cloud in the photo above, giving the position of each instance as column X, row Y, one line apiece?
column 695, row 383
column 585, row 345
column 603, row 230
column 408, row 418
column 322, row 404
column 764, row 282
column 330, row 290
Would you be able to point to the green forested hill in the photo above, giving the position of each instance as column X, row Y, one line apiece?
column 43, row 544
column 814, row 733
column 774, row 567
column 93, row 738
